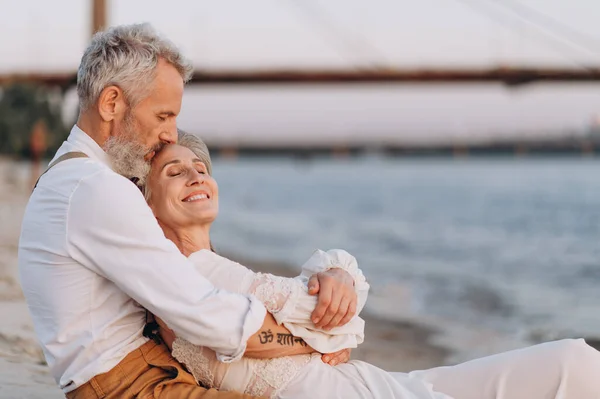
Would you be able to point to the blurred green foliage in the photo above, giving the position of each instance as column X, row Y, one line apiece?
column 21, row 107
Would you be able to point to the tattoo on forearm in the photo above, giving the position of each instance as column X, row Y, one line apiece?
column 266, row 337
column 300, row 341
column 289, row 340
column 285, row 339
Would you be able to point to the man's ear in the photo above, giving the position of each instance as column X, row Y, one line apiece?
column 111, row 103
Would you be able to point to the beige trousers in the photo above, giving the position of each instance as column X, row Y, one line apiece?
column 566, row 369
column 149, row 372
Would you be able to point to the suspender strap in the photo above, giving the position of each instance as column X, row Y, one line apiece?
column 63, row 157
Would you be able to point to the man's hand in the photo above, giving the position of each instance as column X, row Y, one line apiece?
column 333, row 359
column 337, row 298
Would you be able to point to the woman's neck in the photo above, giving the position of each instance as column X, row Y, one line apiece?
column 189, row 239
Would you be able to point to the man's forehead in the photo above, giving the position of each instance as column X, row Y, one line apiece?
column 168, row 75
column 167, row 90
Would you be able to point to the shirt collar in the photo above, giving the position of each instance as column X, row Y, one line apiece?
column 83, row 142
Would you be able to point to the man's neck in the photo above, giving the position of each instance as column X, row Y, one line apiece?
column 94, row 127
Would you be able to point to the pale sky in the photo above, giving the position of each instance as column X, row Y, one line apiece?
column 240, row 33
column 51, row 36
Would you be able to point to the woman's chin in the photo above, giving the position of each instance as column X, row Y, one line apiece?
column 205, row 219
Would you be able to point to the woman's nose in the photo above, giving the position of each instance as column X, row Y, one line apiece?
column 195, row 178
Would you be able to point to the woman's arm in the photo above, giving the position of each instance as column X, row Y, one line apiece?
column 288, row 300
column 270, row 341
column 273, row 340
column 280, row 294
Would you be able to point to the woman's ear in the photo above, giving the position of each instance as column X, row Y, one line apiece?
column 112, row 104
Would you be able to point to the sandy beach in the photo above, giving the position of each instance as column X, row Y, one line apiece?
column 392, row 345
column 23, row 371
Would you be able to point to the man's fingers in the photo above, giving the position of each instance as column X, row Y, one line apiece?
column 332, row 309
column 344, row 356
column 322, row 305
column 336, row 358
column 341, row 313
column 313, row 285
column 330, row 358
column 350, row 314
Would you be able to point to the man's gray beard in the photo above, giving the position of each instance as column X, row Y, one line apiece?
column 127, row 157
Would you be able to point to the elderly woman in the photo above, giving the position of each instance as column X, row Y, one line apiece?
column 184, row 197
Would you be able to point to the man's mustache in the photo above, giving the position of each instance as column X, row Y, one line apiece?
column 153, row 151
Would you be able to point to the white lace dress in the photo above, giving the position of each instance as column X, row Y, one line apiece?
column 297, row 376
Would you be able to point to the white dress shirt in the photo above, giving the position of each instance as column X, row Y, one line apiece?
column 91, row 254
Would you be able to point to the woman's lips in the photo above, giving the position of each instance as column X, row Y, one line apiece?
column 196, row 196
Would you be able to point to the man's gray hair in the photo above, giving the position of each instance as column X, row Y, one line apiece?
column 126, row 56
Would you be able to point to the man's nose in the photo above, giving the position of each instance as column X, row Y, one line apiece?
column 169, row 136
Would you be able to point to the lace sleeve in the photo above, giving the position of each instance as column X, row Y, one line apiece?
column 278, row 294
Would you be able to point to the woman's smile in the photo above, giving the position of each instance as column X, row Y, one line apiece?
column 197, row 196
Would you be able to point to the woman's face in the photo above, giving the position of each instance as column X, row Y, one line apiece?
column 182, row 193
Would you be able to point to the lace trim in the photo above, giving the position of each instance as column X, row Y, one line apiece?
column 289, row 307
column 195, row 361
column 260, row 387
column 273, row 292
column 273, row 375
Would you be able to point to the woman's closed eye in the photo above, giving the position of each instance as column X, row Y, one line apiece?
column 173, row 172
column 178, row 171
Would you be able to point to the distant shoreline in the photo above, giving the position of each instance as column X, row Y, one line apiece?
column 572, row 147
column 581, row 146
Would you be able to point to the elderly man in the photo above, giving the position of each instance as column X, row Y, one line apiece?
column 92, row 257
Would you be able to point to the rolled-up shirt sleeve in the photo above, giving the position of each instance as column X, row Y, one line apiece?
column 112, row 231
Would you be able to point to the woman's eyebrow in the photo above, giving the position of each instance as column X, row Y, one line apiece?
column 170, row 163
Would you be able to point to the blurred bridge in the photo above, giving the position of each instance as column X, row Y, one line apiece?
column 510, row 76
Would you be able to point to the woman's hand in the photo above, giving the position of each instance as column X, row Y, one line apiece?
column 333, row 359
column 337, row 298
